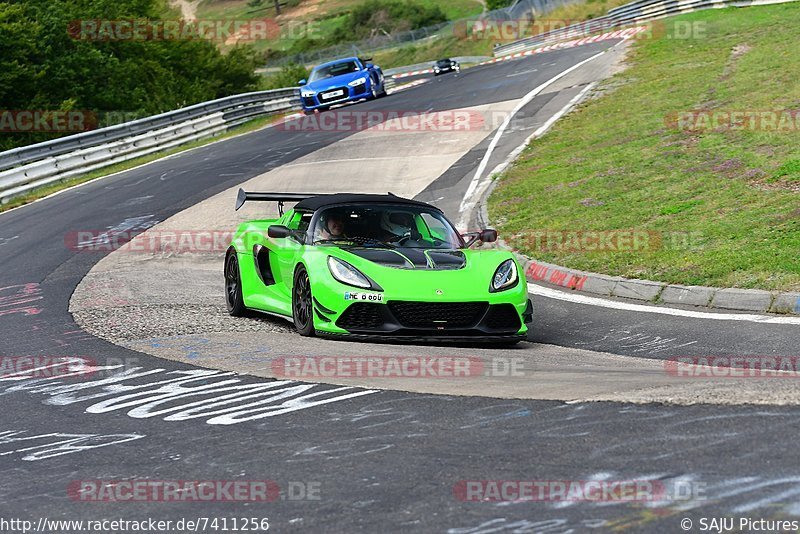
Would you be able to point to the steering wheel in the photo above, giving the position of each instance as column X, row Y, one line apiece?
column 401, row 239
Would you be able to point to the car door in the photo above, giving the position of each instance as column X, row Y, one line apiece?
column 289, row 251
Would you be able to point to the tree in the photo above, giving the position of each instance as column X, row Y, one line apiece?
column 45, row 67
column 491, row 5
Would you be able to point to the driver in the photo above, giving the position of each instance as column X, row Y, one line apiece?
column 331, row 227
column 398, row 224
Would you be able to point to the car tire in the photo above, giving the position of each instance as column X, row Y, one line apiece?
column 303, row 303
column 233, row 286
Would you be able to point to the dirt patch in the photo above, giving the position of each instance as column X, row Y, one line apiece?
column 683, row 141
column 728, row 168
column 592, row 202
column 763, row 185
column 736, row 53
column 188, row 8
column 794, row 214
column 306, row 10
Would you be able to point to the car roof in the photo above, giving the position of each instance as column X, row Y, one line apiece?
column 335, row 61
column 321, row 201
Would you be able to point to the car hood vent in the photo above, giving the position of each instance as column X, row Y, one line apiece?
column 414, row 258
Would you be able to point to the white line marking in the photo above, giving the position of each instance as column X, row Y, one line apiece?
column 478, row 182
column 400, row 88
column 540, row 131
column 578, row 298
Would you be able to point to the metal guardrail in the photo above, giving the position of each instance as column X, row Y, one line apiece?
column 628, row 14
column 26, row 168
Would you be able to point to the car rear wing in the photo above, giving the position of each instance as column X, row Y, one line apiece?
column 246, row 196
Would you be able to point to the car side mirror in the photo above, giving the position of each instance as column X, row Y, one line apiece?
column 488, row 235
column 302, row 82
column 278, row 231
column 484, row 236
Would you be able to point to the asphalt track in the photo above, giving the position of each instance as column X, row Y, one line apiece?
column 383, row 460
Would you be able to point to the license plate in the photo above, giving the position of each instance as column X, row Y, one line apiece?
column 371, row 297
column 334, row 94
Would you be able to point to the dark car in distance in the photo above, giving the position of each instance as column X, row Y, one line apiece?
column 446, row 65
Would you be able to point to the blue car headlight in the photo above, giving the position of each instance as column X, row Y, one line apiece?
column 307, row 94
column 505, row 277
column 359, row 81
column 347, row 274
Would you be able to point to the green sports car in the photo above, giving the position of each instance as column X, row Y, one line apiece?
column 361, row 265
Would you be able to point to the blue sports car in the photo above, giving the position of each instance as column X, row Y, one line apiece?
column 340, row 81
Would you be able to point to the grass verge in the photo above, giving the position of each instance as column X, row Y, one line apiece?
column 47, row 190
column 621, row 161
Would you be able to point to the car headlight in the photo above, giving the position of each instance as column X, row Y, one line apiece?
column 357, row 82
column 505, row 277
column 347, row 274
column 307, row 94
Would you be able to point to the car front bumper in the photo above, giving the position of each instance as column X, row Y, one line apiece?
column 476, row 321
column 318, row 99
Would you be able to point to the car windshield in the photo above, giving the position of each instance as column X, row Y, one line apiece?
column 443, row 62
column 386, row 226
column 336, row 69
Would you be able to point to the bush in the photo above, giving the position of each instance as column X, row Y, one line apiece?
column 491, row 5
column 288, row 76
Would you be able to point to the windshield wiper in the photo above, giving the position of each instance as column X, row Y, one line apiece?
column 367, row 242
column 335, row 240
